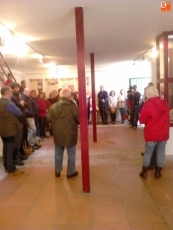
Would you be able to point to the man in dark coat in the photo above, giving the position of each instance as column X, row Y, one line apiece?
column 103, row 104
column 64, row 118
column 32, row 140
column 9, row 127
column 17, row 156
column 135, row 97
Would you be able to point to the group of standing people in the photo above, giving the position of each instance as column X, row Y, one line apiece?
column 23, row 117
column 110, row 103
column 28, row 111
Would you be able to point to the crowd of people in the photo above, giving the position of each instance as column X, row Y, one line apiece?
column 25, row 117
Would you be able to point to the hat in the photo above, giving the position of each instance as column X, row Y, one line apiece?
column 151, row 92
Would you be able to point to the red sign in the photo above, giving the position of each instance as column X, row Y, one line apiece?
column 165, row 6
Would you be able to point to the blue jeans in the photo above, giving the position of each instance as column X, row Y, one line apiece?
column 149, row 148
column 59, row 152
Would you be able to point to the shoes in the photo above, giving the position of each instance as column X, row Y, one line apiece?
column 143, row 174
column 18, row 162
column 72, row 175
column 57, row 174
column 35, row 147
column 38, row 145
column 23, row 157
column 134, row 127
column 158, row 172
column 16, row 173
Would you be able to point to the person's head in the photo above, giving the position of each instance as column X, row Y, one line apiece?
column 26, row 91
column 101, row 88
column 42, row 95
column 15, row 87
column 33, row 93
column 121, row 91
column 65, row 93
column 72, row 97
column 6, row 92
column 151, row 92
column 150, row 84
column 134, row 87
column 10, row 77
column 76, row 95
column 23, row 84
column 112, row 93
column 55, row 93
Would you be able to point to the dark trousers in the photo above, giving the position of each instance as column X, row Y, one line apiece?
column 134, row 116
column 113, row 116
column 24, row 139
column 37, row 126
column 103, row 112
column 122, row 112
column 8, row 149
column 42, row 125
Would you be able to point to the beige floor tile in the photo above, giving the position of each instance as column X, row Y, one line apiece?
column 75, row 215
column 167, row 213
column 42, row 216
column 8, row 188
column 38, row 227
column 136, row 197
column 147, row 226
column 109, row 214
column 10, row 227
column 49, row 200
column 103, row 199
column 12, row 216
column 78, row 200
column 4, row 198
column 144, row 214
column 163, row 198
column 21, row 200
column 74, row 227
column 40, row 201
column 111, row 227
column 29, row 188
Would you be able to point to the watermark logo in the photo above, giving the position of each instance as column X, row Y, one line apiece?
column 165, row 6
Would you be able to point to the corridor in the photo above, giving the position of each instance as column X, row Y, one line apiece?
column 119, row 198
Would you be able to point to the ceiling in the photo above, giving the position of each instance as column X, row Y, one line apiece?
column 115, row 30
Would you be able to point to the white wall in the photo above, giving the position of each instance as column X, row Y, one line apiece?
column 115, row 77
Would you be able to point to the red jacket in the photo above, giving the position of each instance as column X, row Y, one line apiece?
column 43, row 106
column 155, row 116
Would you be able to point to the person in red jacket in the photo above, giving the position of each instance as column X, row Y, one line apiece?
column 155, row 116
column 9, row 79
column 43, row 106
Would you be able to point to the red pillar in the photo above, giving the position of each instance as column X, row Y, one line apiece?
column 82, row 96
column 93, row 98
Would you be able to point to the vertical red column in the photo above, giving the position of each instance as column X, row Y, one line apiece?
column 83, row 99
column 93, row 97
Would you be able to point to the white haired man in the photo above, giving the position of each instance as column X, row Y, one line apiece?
column 64, row 118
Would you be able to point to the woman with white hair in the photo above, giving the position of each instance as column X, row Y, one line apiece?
column 155, row 116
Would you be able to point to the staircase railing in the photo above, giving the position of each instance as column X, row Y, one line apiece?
column 4, row 67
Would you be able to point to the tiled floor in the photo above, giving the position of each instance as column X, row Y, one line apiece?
column 119, row 198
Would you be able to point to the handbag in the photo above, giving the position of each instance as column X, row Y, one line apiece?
column 113, row 110
column 27, row 149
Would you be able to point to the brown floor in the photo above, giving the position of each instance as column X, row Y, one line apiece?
column 119, row 198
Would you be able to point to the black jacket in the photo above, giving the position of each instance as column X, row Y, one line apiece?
column 28, row 106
